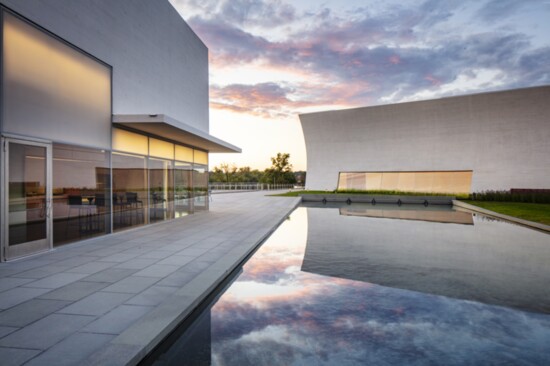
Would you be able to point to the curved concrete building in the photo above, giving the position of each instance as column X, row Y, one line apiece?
column 471, row 143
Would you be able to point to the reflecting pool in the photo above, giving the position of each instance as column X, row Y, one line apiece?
column 381, row 285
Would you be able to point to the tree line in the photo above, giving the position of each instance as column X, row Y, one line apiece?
column 280, row 172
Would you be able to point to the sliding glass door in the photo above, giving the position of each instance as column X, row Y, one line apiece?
column 26, row 225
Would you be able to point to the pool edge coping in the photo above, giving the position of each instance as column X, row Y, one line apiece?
column 530, row 224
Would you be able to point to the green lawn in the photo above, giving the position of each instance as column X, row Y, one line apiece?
column 537, row 212
column 297, row 193
column 377, row 193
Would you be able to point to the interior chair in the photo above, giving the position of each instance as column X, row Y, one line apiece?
column 135, row 205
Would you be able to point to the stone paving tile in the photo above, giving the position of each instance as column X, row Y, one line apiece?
column 177, row 279
column 177, row 260
column 154, row 295
column 212, row 255
column 196, row 266
column 17, row 295
column 30, row 263
column 91, row 267
column 4, row 331
column 30, row 311
column 131, row 285
column 16, row 356
column 117, row 320
column 7, row 283
column 194, row 251
column 119, row 257
column 77, row 261
column 178, row 246
column 110, row 275
column 137, row 263
column 96, row 304
column 9, row 270
column 59, row 255
column 75, row 291
column 57, row 280
column 46, row 332
column 157, row 270
column 71, row 351
column 157, row 254
column 107, row 252
column 42, row 272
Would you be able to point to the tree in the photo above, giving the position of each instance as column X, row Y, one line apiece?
column 281, row 163
column 224, row 173
column 280, row 171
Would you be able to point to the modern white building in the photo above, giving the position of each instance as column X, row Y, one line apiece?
column 472, row 143
column 104, row 120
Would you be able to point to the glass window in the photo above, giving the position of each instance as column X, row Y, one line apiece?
column 373, row 181
column 130, row 142
column 161, row 149
column 184, row 153
column 437, row 182
column 201, row 157
column 81, row 188
column 130, row 198
column 200, row 187
column 27, row 193
column 183, row 188
column 161, row 190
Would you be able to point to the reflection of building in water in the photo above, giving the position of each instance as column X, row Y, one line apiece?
column 192, row 347
column 432, row 214
column 491, row 262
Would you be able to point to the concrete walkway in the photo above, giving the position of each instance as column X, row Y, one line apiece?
column 110, row 300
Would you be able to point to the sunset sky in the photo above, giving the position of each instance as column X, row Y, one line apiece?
column 272, row 60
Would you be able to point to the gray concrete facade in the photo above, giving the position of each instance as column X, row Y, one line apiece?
column 503, row 137
column 159, row 64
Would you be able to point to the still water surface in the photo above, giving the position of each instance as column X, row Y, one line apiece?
column 381, row 285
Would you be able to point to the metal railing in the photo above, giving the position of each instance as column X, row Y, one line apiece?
column 247, row 186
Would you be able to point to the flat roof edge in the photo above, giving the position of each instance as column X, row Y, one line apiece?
column 490, row 92
column 167, row 127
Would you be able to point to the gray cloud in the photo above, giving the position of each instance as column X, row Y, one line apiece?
column 399, row 52
column 495, row 10
column 258, row 12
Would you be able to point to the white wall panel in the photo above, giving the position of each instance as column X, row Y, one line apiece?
column 52, row 91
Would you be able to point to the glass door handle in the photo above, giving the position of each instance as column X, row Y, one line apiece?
column 48, row 206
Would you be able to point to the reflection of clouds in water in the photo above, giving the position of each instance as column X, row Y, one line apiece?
column 281, row 256
column 359, row 323
column 277, row 315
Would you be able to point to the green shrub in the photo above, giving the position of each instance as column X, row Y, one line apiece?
column 527, row 196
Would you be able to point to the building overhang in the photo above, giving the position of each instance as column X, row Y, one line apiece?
column 169, row 128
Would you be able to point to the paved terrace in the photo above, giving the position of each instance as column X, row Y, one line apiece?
column 110, row 300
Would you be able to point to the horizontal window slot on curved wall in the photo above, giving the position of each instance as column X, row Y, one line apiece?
column 433, row 181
